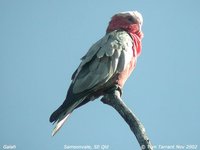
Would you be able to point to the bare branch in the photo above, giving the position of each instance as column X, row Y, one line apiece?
column 114, row 100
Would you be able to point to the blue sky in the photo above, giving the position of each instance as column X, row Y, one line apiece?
column 41, row 43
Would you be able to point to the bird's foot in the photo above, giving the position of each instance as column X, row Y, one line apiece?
column 113, row 93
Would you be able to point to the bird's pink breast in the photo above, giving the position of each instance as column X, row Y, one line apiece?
column 123, row 76
column 137, row 46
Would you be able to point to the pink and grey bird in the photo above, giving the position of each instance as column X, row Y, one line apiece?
column 108, row 63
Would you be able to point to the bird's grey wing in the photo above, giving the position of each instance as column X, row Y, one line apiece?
column 107, row 57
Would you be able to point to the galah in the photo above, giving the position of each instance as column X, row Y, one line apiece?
column 107, row 64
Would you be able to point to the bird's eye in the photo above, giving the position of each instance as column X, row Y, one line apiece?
column 130, row 19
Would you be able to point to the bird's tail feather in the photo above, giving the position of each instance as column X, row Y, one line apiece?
column 60, row 123
column 63, row 115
